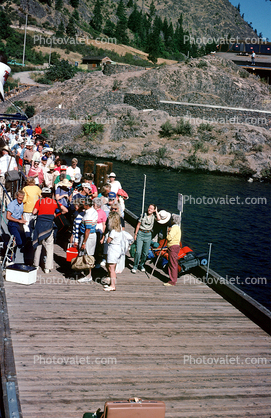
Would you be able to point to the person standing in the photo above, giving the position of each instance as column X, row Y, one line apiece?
column 89, row 236
column 143, row 236
column 43, row 234
column 253, row 56
column 114, row 248
column 28, row 156
column 115, row 184
column 173, row 245
column 73, row 169
column 32, row 194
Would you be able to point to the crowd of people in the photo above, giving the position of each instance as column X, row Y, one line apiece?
column 94, row 223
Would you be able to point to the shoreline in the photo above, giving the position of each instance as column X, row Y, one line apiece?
column 165, row 167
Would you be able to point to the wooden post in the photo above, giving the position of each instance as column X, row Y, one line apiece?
column 109, row 166
column 101, row 176
column 89, row 166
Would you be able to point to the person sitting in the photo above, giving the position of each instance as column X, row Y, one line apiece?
column 143, row 236
column 16, row 220
column 43, row 234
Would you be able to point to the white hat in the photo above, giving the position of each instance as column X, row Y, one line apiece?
column 46, row 190
column 86, row 185
column 112, row 174
column 165, row 217
column 77, row 177
column 4, row 73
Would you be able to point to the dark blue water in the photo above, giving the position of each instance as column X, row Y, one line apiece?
column 239, row 233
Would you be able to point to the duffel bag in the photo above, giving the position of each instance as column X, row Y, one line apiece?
column 83, row 262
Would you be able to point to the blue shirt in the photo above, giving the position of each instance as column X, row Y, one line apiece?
column 15, row 209
column 64, row 201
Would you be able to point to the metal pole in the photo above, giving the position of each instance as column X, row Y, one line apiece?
column 209, row 257
column 143, row 199
column 24, row 37
column 50, row 54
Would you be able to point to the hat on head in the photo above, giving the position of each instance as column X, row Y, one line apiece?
column 20, row 140
column 63, row 167
column 77, row 177
column 112, row 195
column 86, row 185
column 44, row 158
column 112, row 174
column 65, row 183
column 6, row 148
column 165, row 217
column 51, row 166
column 29, row 144
column 46, row 190
column 37, row 161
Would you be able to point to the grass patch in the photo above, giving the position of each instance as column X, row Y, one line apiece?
column 183, row 128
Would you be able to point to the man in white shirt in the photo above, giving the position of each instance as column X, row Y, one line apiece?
column 73, row 169
column 115, row 184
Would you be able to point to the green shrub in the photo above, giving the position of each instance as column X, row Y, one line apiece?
column 30, row 111
column 162, row 152
column 43, row 80
column 202, row 64
column 244, row 74
column 194, row 160
column 60, row 71
column 184, row 128
column 205, row 127
column 116, row 85
column 92, row 128
column 199, row 146
column 257, row 148
column 166, row 129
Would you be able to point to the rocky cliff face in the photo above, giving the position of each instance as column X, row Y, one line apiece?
column 202, row 18
column 135, row 135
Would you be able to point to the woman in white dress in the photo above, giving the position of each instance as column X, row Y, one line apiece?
column 114, row 248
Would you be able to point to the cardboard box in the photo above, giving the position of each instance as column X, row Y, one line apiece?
column 22, row 274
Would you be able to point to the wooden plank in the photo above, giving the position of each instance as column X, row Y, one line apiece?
column 153, row 341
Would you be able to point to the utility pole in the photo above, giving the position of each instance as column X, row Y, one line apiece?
column 24, row 37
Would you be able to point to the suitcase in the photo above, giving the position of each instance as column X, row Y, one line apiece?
column 134, row 408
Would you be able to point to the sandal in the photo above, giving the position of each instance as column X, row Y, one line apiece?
column 109, row 289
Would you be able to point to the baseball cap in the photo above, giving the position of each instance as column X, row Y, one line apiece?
column 112, row 195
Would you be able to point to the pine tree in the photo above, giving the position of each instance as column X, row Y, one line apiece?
column 5, row 29
column 75, row 3
column 152, row 10
column 130, row 4
column 109, row 29
column 75, row 14
column 121, row 28
column 70, row 29
column 60, row 30
column 58, row 4
column 97, row 21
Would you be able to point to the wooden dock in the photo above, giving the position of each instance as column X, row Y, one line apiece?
column 76, row 346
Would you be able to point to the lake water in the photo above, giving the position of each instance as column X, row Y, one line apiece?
column 238, row 230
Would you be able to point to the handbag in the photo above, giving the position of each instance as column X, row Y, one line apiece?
column 83, row 262
column 61, row 221
column 12, row 175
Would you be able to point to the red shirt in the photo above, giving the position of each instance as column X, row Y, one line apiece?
column 46, row 206
column 38, row 130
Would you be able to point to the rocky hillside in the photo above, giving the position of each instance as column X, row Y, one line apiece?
column 200, row 17
column 116, row 130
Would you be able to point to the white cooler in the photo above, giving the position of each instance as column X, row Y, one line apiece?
column 22, row 274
